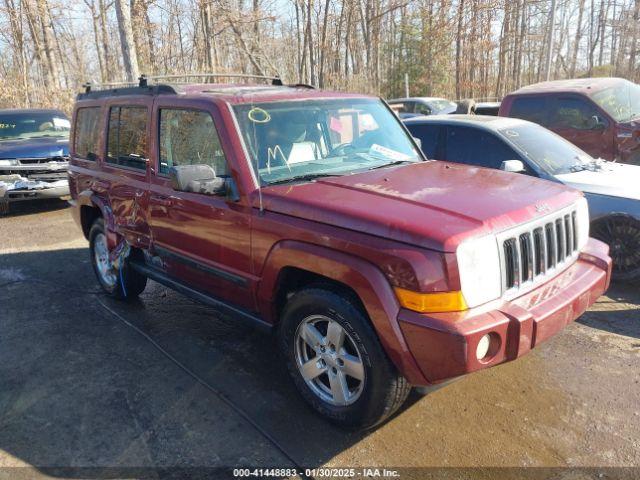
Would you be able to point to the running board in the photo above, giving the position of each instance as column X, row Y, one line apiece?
column 205, row 298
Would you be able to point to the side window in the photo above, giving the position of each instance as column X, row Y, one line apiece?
column 429, row 135
column 189, row 137
column 479, row 148
column 403, row 107
column 422, row 108
column 572, row 112
column 533, row 109
column 127, row 137
column 87, row 132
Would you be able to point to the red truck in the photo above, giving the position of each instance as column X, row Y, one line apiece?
column 315, row 215
column 599, row 115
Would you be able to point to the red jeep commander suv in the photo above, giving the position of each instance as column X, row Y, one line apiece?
column 314, row 214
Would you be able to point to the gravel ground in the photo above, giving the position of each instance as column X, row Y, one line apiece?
column 90, row 382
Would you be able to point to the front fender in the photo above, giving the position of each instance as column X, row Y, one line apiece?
column 365, row 279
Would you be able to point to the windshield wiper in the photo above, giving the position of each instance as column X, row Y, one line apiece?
column 304, row 178
column 397, row 162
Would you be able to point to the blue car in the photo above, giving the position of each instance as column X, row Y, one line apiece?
column 34, row 155
column 523, row 147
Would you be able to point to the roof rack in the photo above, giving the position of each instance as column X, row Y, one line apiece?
column 276, row 81
column 142, row 87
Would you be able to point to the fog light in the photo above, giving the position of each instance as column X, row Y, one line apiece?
column 483, row 347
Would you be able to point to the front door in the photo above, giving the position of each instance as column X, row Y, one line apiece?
column 202, row 240
column 573, row 117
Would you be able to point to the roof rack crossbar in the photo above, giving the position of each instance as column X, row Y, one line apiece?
column 275, row 80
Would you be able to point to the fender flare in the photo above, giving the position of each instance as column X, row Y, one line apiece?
column 368, row 282
column 88, row 198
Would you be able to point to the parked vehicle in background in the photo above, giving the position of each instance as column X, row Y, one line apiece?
column 413, row 106
column 34, row 149
column 612, row 189
column 487, row 108
column 315, row 214
column 599, row 115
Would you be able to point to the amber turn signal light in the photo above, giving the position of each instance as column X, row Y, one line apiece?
column 431, row 302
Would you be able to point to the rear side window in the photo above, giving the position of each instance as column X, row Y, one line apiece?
column 477, row 147
column 533, row 109
column 87, row 132
column 429, row 135
column 189, row 137
column 127, row 141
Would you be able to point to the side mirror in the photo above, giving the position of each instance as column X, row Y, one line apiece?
column 597, row 123
column 418, row 142
column 196, row 179
column 513, row 166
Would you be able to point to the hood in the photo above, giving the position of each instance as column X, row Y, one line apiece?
column 34, row 148
column 430, row 204
column 613, row 179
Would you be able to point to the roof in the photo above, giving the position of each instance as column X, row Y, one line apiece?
column 31, row 110
column 488, row 122
column 416, row 99
column 229, row 92
column 575, row 85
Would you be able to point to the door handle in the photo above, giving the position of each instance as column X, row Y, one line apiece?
column 162, row 200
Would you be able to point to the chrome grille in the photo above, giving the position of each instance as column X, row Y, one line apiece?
column 537, row 249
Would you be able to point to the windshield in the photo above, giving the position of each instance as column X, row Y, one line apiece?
column 294, row 140
column 622, row 102
column 550, row 152
column 17, row 126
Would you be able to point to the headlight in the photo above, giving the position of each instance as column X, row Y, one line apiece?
column 8, row 163
column 582, row 223
column 479, row 268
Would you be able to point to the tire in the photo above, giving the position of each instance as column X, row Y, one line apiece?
column 4, row 208
column 622, row 234
column 123, row 284
column 362, row 403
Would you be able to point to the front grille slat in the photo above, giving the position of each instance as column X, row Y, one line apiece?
column 533, row 252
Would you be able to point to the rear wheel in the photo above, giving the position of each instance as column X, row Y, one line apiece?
column 336, row 360
column 622, row 234
column 122, row 283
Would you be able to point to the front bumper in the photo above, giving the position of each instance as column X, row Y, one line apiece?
column 15, row 195
column 34, row 181
column 444, row 345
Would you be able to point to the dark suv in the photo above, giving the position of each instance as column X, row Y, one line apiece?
column 314, row 214
column 34, row 155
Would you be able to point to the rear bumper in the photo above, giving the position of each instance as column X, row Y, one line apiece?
column 444, row 345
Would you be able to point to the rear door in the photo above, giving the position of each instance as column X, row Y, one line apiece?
column 202, row 240
column 125, row 168
column 572, row 118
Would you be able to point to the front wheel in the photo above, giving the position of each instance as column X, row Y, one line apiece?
column 622, row 234
column 123, row 283
column 336, row 360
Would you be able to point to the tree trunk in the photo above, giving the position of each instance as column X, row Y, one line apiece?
column 127, row 44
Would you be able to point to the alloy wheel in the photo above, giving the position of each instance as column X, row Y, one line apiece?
column 328, row 359
column 104, row 266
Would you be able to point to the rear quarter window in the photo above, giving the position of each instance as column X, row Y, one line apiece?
column 87, row 133
column 533, row 109
column 127, row 137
